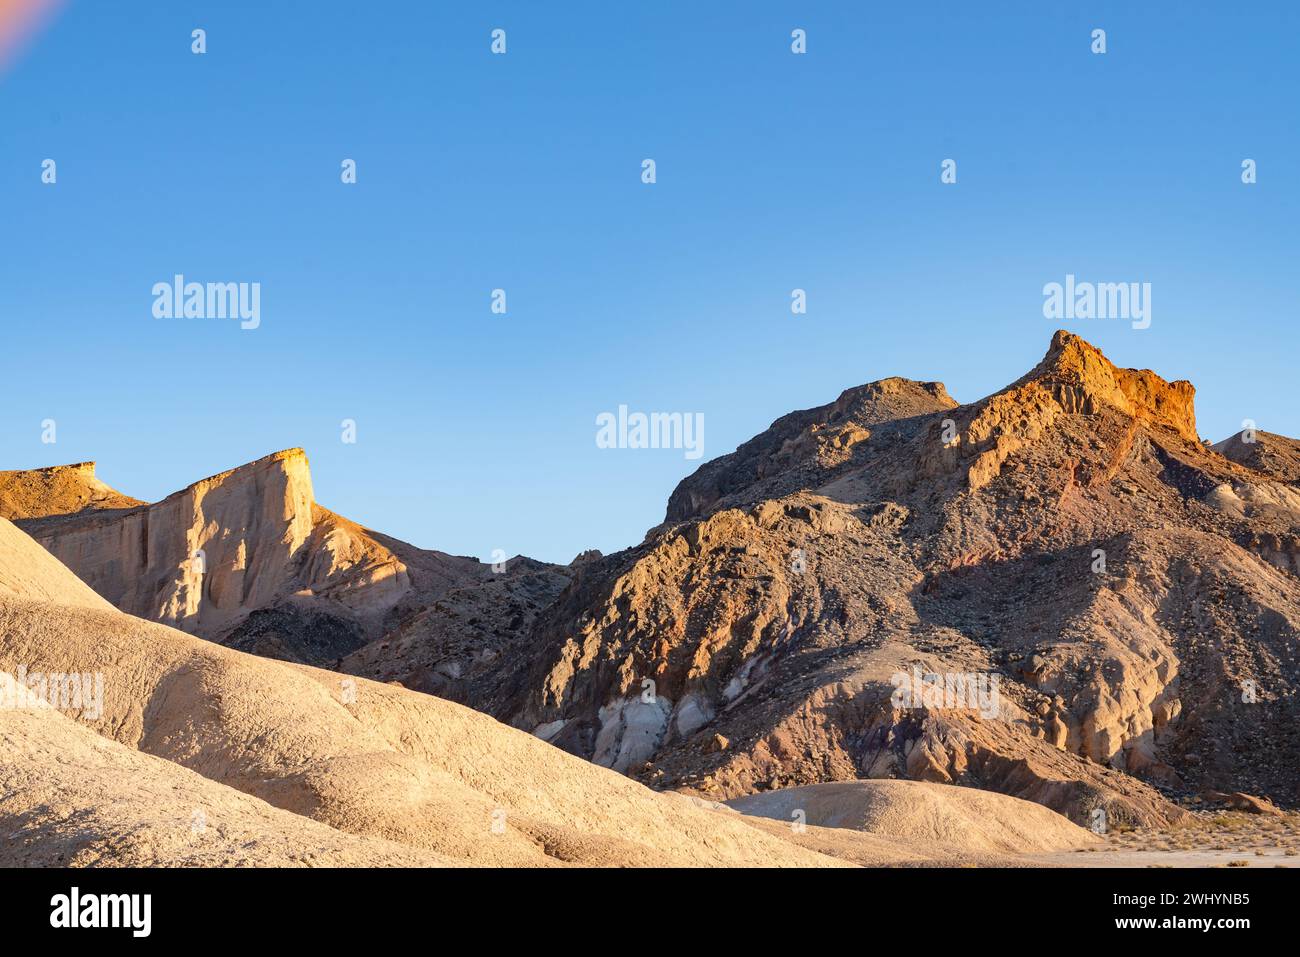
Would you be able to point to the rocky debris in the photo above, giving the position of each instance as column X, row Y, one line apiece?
column 1242, row 802
column 454, row 647
column 1273, row 455
column 1206, row 837
column 303, row 635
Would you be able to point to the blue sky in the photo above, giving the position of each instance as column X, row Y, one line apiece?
column 775, row 171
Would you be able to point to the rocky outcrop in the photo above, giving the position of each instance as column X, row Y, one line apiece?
column 202, row 557
column 1074, row 379
column 246, row 557
column 1063, row 539
column 1082, row 380
column 59, row 490
column 455, row 644
column 800, row 449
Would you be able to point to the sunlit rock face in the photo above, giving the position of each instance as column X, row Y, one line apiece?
column 1069, row 535
column 246, row 557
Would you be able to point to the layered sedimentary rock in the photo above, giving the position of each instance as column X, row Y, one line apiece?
column 246, row 557
column 200, row 558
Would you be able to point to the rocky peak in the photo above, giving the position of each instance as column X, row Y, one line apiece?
column 86, row 469
column 886, row 400
column 273, row 493
column 201, row 557
column 1082, row 379
column 291, row 462
column 796, row 577
column 1273, row 455
column 805, row 448
column 883, row 433
column 1074, row 392
column 248, row 558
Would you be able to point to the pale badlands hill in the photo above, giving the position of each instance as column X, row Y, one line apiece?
column 198, row 754
column 926, row 816
column 69, row 797
column 249, row 559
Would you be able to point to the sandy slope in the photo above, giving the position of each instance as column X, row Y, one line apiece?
column 28, row 571
column 70, row 797
column 958, row 819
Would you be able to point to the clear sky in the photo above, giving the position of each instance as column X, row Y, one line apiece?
column 522, row 171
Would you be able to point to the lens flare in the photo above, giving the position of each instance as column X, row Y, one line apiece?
column 20, row 20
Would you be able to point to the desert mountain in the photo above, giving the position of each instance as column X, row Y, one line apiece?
column 1133, row 592
column 1095, row 609
column 247, row 558
column 197, row 754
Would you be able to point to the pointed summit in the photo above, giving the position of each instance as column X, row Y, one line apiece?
column 248, row 558
column 1082, row 379
column 1074, row 379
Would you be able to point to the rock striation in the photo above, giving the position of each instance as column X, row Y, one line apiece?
column 246, row 557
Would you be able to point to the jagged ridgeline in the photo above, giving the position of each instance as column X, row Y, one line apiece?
column 248, row 558
column 1117, row 599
